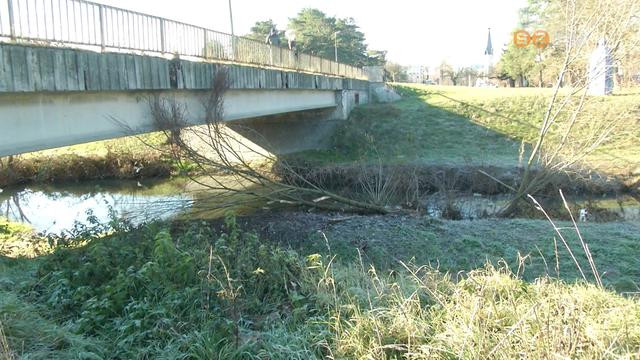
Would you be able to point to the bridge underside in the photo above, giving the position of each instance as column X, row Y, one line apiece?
column 38, row 121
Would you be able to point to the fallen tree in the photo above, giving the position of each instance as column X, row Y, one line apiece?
column 233, row 170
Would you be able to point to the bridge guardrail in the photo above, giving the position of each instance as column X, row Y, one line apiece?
column 80, row 22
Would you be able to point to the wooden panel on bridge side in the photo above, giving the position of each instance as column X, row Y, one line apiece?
column 27, row 68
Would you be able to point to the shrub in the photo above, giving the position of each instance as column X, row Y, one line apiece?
column 147, row 288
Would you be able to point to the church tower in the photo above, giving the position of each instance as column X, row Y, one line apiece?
column 488, row 53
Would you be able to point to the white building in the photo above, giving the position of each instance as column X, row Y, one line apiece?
column 418, row 74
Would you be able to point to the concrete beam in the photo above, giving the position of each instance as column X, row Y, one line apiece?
column 38, row 121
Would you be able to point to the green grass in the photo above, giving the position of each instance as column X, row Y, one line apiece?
column 454, row 246
column 473, row 126
column 111, row 159
column 413, row 131
column 517, row 113
column 19, row 240
column 127, row 144
column 488, row 314
column 28, row 331
column 193, row 292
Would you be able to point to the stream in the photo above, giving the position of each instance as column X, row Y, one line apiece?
column 58, row 208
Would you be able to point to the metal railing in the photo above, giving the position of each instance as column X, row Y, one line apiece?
column 79, row 22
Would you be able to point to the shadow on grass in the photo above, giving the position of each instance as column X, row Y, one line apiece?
column 442, row 147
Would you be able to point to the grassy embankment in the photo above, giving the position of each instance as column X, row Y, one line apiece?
column 193, row 292
column 459, row 126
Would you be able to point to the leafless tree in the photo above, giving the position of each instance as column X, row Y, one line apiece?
column 569, row 131
column 234, row 171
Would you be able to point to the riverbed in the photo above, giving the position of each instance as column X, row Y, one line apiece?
column 58, row 208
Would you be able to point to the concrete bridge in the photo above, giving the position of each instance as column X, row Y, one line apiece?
column 52, row 96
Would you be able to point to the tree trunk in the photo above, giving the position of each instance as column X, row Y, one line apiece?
column 541, row 85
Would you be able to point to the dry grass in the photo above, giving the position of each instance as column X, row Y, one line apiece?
column 488, row 314
column 73, row 168
column 5, row 352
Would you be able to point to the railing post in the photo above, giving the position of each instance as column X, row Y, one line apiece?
column 163, row 44
column 12, row 26
column 102, row 20
column 233, row 47
column 204, row 49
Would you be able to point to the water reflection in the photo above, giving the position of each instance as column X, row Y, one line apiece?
column 56, row 209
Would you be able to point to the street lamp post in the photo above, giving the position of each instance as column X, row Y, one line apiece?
column 233, row 37
column 335, row 44
column 231, row 18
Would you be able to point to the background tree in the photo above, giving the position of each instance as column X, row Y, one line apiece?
column 455, row 75
column 395, row 72
column 316, row 35
column 521, row 66
column 534, row 14
column 445, row 69
column 350, row 42
column 623, row 37
column 261, row 29
column 518, row 64
column 569, row 130
column 468, row 75
column 376, row 57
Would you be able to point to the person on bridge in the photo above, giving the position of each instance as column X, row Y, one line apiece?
column 291, row 37
column 293, row 54
column 273, row 38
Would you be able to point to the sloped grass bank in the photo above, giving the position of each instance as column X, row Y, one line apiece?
column 448, row 135
column 191, row 291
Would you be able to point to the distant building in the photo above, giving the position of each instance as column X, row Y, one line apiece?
column 418, row 74
column 488, row 53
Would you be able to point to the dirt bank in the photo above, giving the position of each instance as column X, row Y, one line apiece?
column 412, row 179
column 75, row 168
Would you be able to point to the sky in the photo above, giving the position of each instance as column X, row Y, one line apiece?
column 414, row 32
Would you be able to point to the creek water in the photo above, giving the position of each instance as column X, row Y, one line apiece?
column 58, row 208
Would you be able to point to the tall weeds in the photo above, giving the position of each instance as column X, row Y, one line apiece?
column 5, row 351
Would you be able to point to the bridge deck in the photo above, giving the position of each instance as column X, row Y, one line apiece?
column 31, row 68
